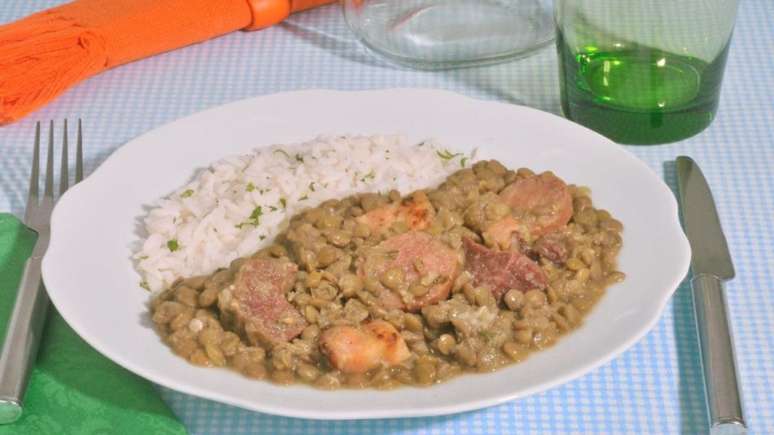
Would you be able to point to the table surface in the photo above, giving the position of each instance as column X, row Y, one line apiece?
column 655, row 387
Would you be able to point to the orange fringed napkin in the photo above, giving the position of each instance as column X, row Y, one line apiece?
column 46, row 53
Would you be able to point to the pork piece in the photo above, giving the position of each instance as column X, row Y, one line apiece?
column 258, row 303
column 416, row 212
column 544, row 199
column 502, row 271
column 359, row 349
column 421, row 259
column 553, row 247
column 505, row 233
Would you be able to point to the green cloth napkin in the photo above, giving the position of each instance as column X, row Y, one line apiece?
column 74, row 389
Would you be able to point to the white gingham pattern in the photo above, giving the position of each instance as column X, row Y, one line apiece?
column 653, row 388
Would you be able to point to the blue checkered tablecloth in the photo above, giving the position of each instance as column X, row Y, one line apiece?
column 655, row 387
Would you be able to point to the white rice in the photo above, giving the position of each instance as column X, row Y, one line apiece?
column 239, row 204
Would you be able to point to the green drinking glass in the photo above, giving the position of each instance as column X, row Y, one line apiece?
column 643, row 71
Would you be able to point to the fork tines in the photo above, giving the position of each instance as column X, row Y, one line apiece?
column 33, row 206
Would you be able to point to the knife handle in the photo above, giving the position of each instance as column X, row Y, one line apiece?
column 724, row 401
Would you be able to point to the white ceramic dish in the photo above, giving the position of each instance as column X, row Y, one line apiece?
column 90, row 277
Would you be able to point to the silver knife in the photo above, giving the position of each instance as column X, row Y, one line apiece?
column 711, row 266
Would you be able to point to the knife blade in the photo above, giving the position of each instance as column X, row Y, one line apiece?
column 711, row 265
column 701, row 223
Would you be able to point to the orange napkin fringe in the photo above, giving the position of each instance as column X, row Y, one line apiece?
column 46, row 53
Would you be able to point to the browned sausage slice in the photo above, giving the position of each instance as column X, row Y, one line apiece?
column 544, row 197
column 422, row 259
column 259, row 303
column 502, row 271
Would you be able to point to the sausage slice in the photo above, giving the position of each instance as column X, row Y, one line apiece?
column 421, row 259
column 544, row 199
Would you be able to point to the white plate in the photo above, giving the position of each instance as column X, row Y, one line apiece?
column 90, row 277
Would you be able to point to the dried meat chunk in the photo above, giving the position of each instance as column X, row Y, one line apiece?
column 500, row 271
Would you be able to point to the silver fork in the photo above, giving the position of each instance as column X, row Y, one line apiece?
column 29, row 312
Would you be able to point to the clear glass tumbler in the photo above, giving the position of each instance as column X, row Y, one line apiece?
column 440, row 34
column 643, row 71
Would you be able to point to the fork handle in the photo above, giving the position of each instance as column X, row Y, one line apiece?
column 21, row 340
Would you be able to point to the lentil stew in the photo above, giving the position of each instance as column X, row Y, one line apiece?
column 378, row 290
